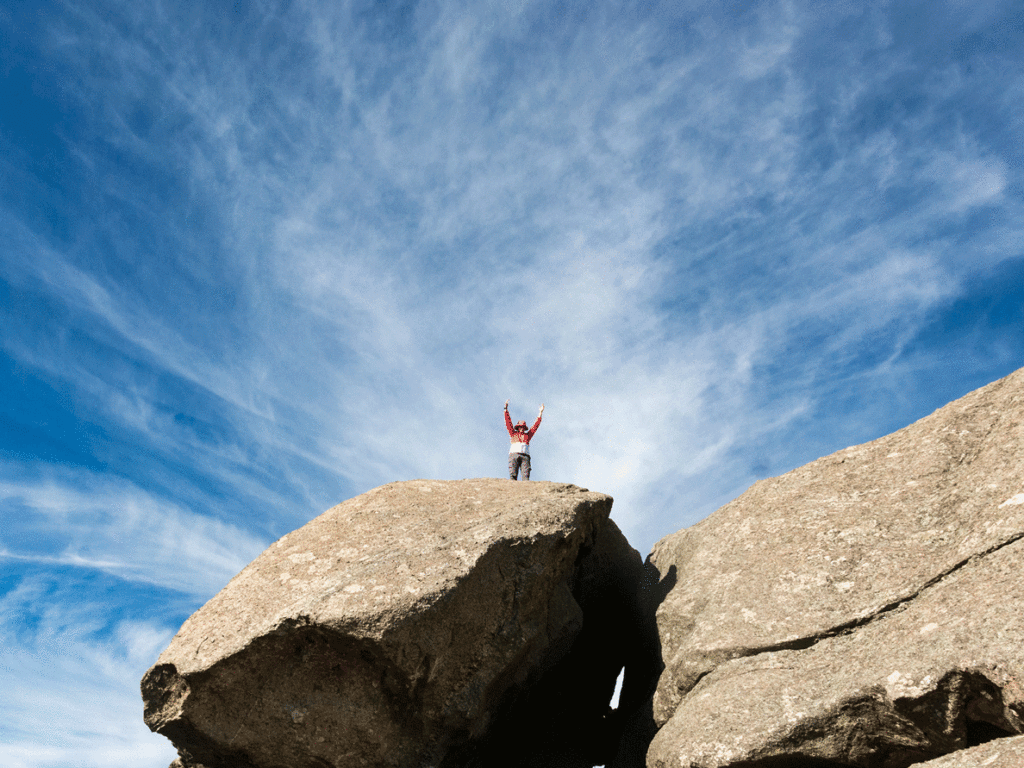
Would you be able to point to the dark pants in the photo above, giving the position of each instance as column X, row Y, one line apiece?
column 517, row 460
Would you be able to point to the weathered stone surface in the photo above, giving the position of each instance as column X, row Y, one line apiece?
column 911, row 685
column 1001, row 753
column 856, row 610
column 391, row 629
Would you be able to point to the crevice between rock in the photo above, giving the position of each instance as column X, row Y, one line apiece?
column 564, row 718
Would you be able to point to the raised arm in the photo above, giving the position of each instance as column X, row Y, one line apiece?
column 536, row 424
column 508, row 420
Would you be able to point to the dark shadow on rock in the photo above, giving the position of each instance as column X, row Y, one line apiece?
column 636, row 703
column 979, row 733
column 563, row 719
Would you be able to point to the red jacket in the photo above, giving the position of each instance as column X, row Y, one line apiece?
column 520, row 440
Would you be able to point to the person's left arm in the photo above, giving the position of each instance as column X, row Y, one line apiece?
column 536, row 424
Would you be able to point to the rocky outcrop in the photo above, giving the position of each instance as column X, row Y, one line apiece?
column 424, row 623
column 864, row 610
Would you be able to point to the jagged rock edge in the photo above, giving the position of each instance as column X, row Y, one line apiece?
column 946, row 690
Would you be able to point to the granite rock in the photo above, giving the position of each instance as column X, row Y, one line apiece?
column 399, row 629
column 1001, row 753
column 941, row 673
column 864, row 609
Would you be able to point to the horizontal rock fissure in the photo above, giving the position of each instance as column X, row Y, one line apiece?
column 804, row 643
column 980, row 732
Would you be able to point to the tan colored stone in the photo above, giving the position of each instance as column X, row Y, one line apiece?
column 1001, row 753
column 387, row 631
column 909, row 686
column 774, row 597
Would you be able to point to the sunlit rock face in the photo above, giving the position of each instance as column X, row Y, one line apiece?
column 864, row 610
column 412, row 626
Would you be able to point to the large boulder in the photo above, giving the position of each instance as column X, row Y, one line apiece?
column 407, row 627
column 864, row 610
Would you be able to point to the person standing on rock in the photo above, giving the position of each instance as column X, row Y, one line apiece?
column 519, row 450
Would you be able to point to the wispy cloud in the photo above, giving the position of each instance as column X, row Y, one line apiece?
column 625, row 214
column 70, row 689
column 78, row 519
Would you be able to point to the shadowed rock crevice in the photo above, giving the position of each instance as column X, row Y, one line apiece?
column 965, row 709
column 563, row 718
column 635, row 714
column 979, row 732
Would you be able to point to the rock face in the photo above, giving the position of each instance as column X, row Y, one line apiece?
column 1001, row 753
column 414, row 625
column 864, row 610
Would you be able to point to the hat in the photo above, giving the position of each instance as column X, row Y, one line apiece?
column 520, row 424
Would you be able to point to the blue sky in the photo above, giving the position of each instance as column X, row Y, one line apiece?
column 259, row 257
